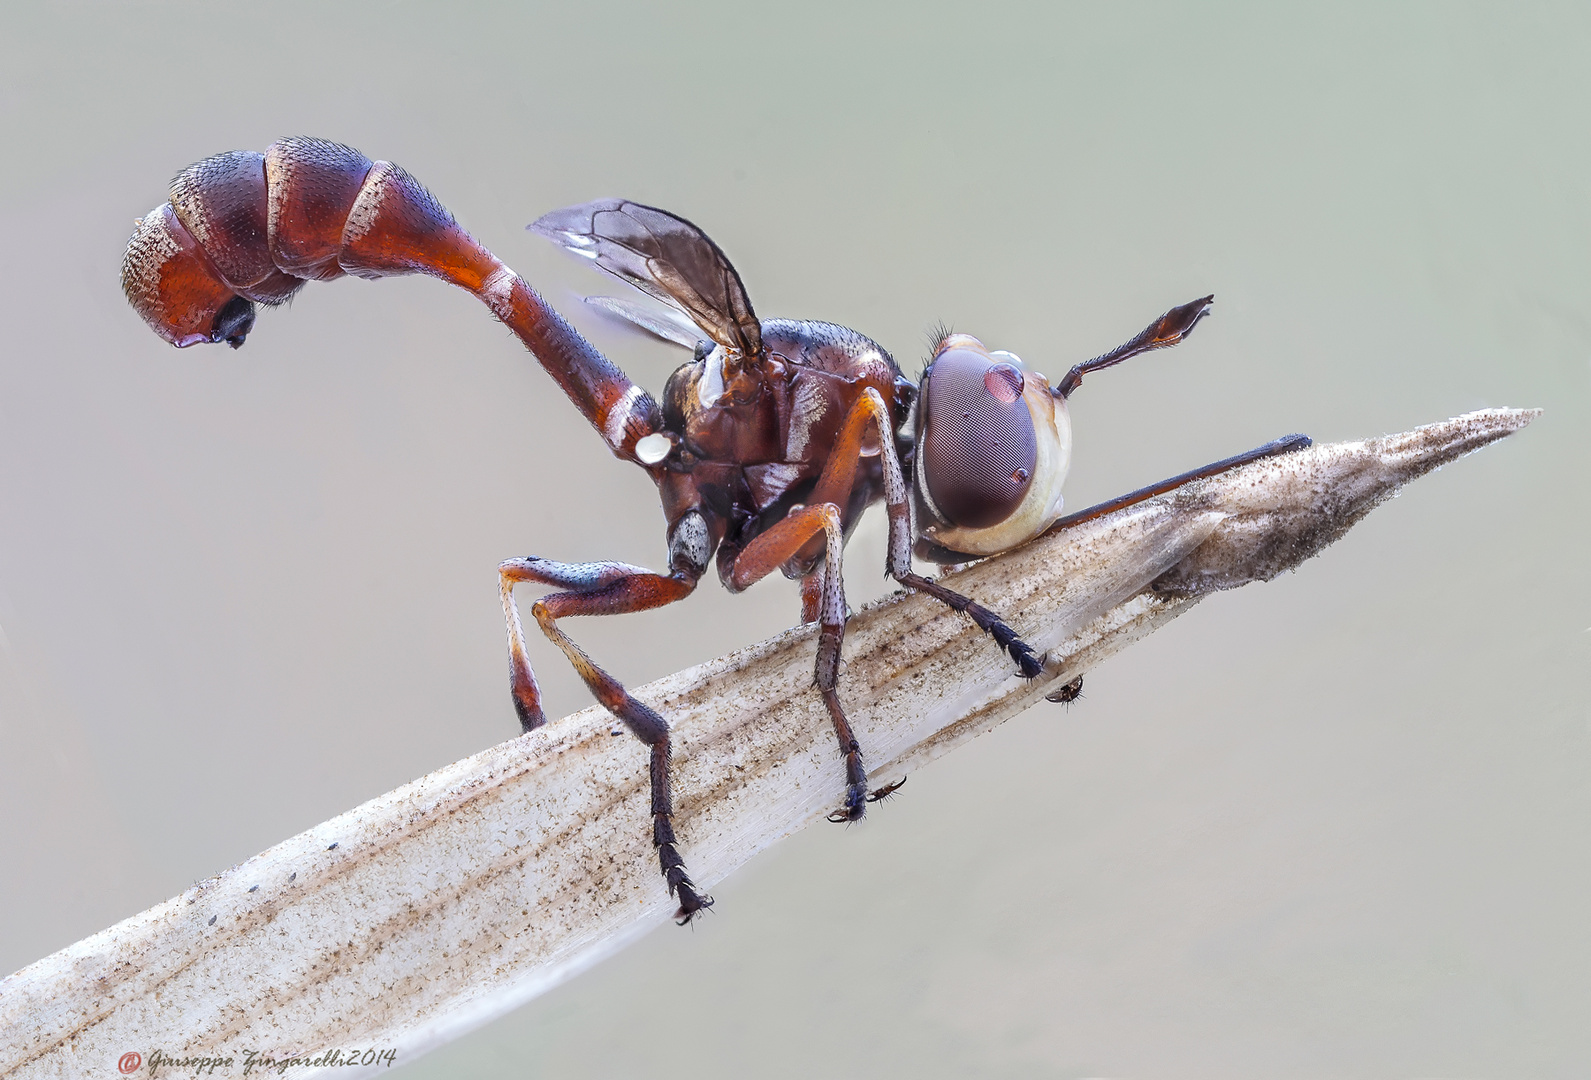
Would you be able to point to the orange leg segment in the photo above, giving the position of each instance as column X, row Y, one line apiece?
column 839, row 475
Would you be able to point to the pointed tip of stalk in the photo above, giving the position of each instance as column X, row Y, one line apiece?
column 1434, row 445
column 1284, row 510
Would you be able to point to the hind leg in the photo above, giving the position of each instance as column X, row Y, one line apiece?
column 605, row 589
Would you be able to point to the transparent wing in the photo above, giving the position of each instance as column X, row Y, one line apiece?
column 668, row 323
column 665, row 257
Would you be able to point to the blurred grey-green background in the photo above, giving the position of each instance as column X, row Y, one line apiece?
column 1337, row 825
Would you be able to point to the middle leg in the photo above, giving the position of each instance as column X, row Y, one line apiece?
column 764, row 555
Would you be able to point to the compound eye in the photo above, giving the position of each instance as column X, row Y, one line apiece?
column 978, row 449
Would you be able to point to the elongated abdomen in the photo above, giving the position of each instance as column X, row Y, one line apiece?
column 244, row 228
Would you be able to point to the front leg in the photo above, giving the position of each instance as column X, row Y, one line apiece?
column 835, row 486
column 605, row 588
column 823, row 590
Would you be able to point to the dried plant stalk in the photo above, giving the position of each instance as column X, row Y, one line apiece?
column 465, row 893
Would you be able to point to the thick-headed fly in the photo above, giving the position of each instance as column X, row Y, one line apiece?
column 767, row 445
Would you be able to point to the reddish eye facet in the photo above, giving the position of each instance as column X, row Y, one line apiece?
column 978, row 449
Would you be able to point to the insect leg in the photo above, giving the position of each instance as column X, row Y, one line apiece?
column 811, row 595
column 1165, row 331
column 764, row 555
column 576, row 577
column 1028, row 663
column 1072, row 690
column 1068, row 693
column 839, row 474
column 1286, row 444
column 835, row 484
column 605, row 589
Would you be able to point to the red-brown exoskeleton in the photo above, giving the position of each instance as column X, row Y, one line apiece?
column 766, row 448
